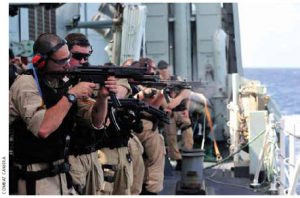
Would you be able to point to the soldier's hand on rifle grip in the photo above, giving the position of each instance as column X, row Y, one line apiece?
column 82, row 90
column 110, row 85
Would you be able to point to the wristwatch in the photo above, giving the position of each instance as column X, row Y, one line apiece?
column 71, row 98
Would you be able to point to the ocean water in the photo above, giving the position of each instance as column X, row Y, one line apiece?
column 283, row 85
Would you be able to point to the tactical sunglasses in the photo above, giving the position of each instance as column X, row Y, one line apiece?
column 79, row 56
column 62, row 61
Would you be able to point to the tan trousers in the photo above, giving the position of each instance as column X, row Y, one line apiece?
column 155, row 151
column 87, row 173
column 55, row 185
column 124, row 174
column 136, row 149
column 170, row 130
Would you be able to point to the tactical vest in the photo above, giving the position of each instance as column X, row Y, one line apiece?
column 31, row 149
column 83, row 140
column 109, row 137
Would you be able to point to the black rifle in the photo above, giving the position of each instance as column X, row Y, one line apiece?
column 137, row 107
column 161, row 84
column 98, row 74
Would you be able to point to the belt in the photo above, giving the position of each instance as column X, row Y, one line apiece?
column 31, row 176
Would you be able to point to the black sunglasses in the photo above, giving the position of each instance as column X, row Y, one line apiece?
column 79, row 56
column 62, row 61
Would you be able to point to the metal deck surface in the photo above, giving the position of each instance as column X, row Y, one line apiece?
column 218, row 181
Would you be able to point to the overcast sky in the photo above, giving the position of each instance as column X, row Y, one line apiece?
column 270, row 34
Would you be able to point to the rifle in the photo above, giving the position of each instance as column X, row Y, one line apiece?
column 165, row 85
column 161, row 84
column 98, row 74
column 137, row 107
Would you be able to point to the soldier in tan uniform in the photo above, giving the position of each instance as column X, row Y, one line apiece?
column 179, row 117
column 85, row 156
column 114, row 154
column 136, row 150
column 42, row 111
column 152, row 141
column 86, row 172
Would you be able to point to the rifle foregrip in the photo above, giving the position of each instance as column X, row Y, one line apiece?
column 114, row 99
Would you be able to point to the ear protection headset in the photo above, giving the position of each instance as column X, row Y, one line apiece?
column 40, row 59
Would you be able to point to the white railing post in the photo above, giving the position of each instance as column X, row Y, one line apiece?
column 291, row 175
column 234, row 124
column 291, row 129
column 273, row 147
column 255, row 183
column 294, row 179
column 283, row 178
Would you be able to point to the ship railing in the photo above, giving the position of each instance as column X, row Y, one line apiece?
column 289, row 166
column 268, row 157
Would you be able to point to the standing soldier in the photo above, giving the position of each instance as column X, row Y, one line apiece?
column 136, row 150
column 153, row 142
column 114, row 154
column 42, row 111
column 179, row 117
column 86, row 172
column 85, row 156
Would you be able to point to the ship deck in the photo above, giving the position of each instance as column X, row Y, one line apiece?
column 219, row 180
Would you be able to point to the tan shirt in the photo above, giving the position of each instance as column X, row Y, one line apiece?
column 26, row 103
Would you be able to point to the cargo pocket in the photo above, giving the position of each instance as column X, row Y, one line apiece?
column 128, row 178
column 123, row 182
column 99, row 178
column 77, row 171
